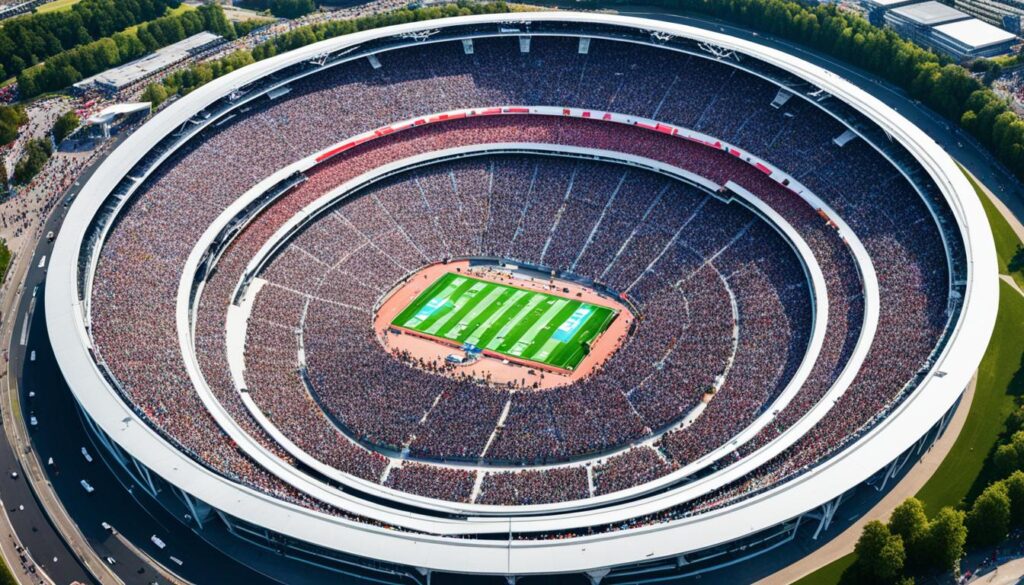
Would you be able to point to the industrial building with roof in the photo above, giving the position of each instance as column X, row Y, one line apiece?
column 117, row 78
column 1006, row 14
column 971, row 39
column 948, row 30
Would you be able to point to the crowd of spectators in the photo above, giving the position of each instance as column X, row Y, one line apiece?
column 678, row 252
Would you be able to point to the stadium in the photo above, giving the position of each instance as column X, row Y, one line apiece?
column 520, row 294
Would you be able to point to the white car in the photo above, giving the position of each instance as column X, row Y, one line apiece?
column 33, row 421
column 159, row 543
column 88, row 488
column 42, row 262
column 85, row 453
column 32, row 356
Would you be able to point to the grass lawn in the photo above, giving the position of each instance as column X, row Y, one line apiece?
column 829, row 574
column 1006, row 240
column 56, row 6
column 964, row 471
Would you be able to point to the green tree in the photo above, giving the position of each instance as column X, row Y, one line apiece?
column 154, row 94
column 11, row 118
column 943, row 545
column 988, row 522
column 909, row 520
column 880, row 555
column 65, row 125
column 1015, row 491
column 1009, row 457
column 291, row 8
column 34, row 38
column 37, row 152
column 910, row 523
column 68, row 67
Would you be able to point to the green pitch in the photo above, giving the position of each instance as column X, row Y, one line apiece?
column 517, row 323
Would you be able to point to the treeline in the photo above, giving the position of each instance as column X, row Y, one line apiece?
column 946, row 87
column 307, row 35
column 185, row 80
column 29, row 39
column 11, row 118
column 283, row 8
column 72, row 66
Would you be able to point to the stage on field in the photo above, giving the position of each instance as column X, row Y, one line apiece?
column 506, row 320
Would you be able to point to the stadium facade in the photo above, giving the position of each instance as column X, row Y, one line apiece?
column 743, row 497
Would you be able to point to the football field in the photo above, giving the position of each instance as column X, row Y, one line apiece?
column 511, row 321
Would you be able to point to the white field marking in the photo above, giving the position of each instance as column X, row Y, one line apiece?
column 467, row 296
column 444, row 294
column 527, row 339
column 552, row 343
column 506, row 306
column 475, row 311
column 500, row 337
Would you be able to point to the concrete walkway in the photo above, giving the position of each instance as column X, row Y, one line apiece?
column 1005, row 574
